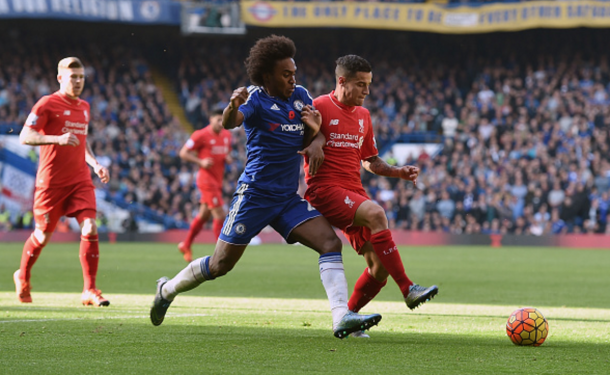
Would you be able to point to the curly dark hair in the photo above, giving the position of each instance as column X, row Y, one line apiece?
column 349, row 65
column 264, row 55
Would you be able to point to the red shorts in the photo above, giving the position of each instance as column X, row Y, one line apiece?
column 212, row 197
column 50, row 204
column 338, row 206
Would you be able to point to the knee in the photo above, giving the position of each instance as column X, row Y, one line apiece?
column 331, row 245
column 42, row 237
column 377, row 220
column 88, row 227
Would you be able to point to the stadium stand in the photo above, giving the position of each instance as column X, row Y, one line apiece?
column 523, row 127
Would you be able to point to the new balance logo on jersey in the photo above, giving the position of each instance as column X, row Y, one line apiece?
column 275, row 107
column 334, row 122
column 67, row 112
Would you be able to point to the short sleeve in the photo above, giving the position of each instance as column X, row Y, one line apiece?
column 248, row 108
column 195, row 142
column 190, row 144
column 38, row 117
column 369, row 144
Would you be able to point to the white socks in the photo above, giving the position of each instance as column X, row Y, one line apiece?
column 332, row 274
column 189, row 278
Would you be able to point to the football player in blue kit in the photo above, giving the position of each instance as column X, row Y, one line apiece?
column 275, row 112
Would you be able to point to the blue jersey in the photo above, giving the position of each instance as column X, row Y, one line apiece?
column 274, row 133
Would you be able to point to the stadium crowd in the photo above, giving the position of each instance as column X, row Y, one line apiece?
column 131, row 130
column 525, row 136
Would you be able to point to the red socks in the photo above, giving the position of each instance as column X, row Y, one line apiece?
column 388, row 254
column 366, row 288
column 194, row 230
column 31, row 251
column 217, row 226
column 89, row 258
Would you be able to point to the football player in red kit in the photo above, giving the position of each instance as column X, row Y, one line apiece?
column 335, row 187
column 210, row 149
column 58, row 123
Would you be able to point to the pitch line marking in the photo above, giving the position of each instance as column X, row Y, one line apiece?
column 101, row 318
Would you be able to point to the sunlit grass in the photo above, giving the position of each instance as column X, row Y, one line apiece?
column 269, row 315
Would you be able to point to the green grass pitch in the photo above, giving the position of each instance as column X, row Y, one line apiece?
column 270, row 314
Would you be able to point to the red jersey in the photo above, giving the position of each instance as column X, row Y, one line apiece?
column 349, row 139
column 57, row 114
column 208, row 144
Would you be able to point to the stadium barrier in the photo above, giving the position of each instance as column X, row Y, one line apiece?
column 401, row 237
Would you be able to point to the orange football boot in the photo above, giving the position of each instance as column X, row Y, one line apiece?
column 94, row 297
column 22, row 288
column 186, row 252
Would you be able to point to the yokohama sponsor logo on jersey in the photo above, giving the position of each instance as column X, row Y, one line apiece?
column 75, row 128
column 292, row 127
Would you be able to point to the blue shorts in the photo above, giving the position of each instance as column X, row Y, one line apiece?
column 251, row 211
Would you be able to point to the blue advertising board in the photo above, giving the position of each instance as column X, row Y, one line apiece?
column 123, row 11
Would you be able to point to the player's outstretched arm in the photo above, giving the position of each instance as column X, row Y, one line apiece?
column 29, row 136
column 379, row 167
column 100, row 170
column 231, row 117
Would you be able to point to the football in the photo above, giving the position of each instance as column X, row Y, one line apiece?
column 527, row 326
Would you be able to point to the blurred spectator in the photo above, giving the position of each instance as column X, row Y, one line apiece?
column 526, row 124
column 5, row 219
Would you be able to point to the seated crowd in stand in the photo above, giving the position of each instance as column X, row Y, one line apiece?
column 525, row 137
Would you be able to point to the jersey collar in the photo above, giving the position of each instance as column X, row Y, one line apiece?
column 339, row 104
column 273, row 97
column 67, row 99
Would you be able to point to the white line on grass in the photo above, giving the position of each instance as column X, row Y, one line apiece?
column 101, row 318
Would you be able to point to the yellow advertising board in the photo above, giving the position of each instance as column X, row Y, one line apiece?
column 428, row 17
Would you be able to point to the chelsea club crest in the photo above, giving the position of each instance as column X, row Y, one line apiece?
column 298, row 105
column 240, row 228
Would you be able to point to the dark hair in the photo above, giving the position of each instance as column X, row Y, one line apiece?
column 349, row 65
column 264, row 55
column 216, row 112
